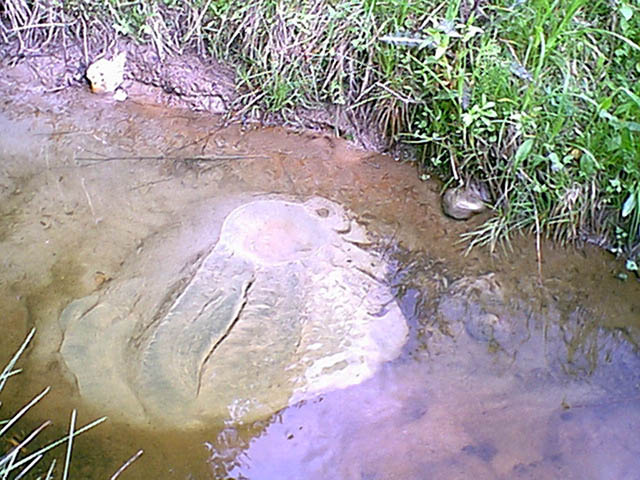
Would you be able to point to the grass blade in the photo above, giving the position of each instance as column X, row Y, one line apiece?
column 67, row 459
column 60, row 441
column 7, row 372
column 24, row 410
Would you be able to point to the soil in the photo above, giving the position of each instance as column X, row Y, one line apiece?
column 189, row 80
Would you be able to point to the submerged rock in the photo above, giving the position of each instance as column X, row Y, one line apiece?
column 479, row 304
column 551, row 342
column 285, row 305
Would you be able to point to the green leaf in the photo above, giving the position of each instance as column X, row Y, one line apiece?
column 632, row 126
column 556, row 164
column 631, row 265
column 605, row 104
column 524, row 150
column 629, row 205
column 440, row 51
column 632, row 95
column 626, row 12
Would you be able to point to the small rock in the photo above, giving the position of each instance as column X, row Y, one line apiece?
column 478, row 304
column 463, row 202
column 105, row 75
column 120, row 95
column 484, row 327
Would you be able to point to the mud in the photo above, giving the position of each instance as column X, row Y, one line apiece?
column 506, row 374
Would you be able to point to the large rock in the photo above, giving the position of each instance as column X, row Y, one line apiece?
column 285, row 305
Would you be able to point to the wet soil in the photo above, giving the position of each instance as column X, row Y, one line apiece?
column 507, row 374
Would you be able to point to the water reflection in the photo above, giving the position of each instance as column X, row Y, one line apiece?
column 491, row 386
column 445, row 425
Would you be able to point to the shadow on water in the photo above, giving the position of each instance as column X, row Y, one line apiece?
column 503, row 375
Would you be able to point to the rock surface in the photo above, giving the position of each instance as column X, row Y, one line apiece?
column 284, row 306
column 105, row 76
column 463, row 202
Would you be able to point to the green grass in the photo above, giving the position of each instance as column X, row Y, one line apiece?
column 538, row 99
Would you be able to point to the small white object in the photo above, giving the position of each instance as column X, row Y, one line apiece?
column 107, row 75
column 120, row 95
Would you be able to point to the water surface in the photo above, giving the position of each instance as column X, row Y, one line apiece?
column 504, row 374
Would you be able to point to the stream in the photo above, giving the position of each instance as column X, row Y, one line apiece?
column 261, row 303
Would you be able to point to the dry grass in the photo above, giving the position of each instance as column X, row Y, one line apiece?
column 15, row 463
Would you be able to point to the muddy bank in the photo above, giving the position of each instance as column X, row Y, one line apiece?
column 90, row 186
column 189, row 80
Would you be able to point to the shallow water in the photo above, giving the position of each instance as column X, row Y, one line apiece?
column 505, row 374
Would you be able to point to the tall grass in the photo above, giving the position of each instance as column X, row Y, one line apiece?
column 537, row 99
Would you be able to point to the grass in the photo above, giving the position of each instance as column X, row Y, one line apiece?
column 537, row 99
column 14, row 463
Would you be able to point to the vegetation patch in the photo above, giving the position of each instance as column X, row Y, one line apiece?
column 538, row 100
